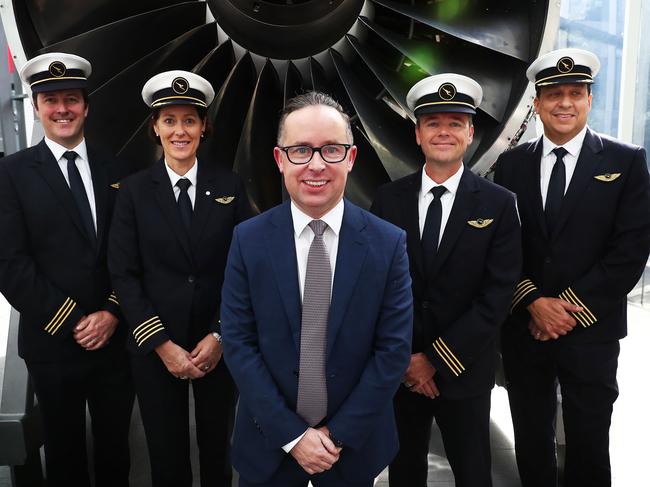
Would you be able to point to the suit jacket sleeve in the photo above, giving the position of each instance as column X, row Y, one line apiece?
column 21, row 281
column 256, row 385
column 454, row 352
column 601, row 289
column 125, row 265
column 354, row 420
column 525, row 291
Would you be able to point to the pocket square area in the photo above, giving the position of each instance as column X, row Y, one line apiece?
column 225, row 200
column 480, row 222
column 608, row 177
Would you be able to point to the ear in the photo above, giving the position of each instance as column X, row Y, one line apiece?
column 536, row 105
column 417, row 134
column 471, row 133
column 352, row 156
column 277, row 155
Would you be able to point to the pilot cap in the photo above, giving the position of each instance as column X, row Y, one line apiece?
column 56, row 71
column 564, row 66
column 177, row 88
column 447, row 92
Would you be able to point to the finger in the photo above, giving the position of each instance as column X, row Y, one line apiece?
column 328, row 444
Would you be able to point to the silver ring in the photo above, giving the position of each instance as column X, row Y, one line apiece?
column 538, row 334
column 408, row 385
column 206, row 367
column 182, row 377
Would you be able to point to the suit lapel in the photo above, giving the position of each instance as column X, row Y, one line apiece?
column 588, row 164
column 51, row 172
column 203, row 202
column 464, row 203
column 349, row 262
column 169, row 208
column 411, row 219
column 282, row 255
column 534, row 190
column 100, row 187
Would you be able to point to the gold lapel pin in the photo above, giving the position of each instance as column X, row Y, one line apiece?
column 480, row 222
column 224, row 200
column 115, row 185
column 608, row 177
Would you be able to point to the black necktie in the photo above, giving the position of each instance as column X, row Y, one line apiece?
column 556, row 187
column 431, row 231
column 79, row 194
column 184, row 202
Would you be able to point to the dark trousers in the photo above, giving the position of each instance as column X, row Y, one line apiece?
column 164, row 407
column 587, row 377
column 290, row 474
column 63, row 390
column 465, row 428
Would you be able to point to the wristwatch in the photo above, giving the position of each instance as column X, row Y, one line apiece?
column 217, row 336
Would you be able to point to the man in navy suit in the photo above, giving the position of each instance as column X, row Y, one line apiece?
column 464, row 245
column 584, row 201
column 316, row 318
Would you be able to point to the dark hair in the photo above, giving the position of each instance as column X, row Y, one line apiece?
column 538, row 89
column 84, row 96
column 310, row 99
column 200, row 111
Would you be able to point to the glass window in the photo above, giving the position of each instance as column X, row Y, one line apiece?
column 597, row 25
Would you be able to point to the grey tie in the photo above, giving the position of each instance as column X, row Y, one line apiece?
column 312, row 386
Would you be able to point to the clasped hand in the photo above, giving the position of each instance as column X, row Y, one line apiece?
column 315, row 452
column 550, row 318
column 191, row 365
column 93, row 331
column 419, row 376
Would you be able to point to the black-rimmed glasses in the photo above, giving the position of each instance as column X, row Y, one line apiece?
column 302, row 154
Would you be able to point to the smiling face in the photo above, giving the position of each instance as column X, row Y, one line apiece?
column 444, row 138
column 180, row 128
column 315, row 187
column 62, row 115
column 563, row 109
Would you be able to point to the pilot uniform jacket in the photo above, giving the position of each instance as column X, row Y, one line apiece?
column 463, row 298
column 50, row 270
column 169, row 281
column 367, row 350
column 600, row 243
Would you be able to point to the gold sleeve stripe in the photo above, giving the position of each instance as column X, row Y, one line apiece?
column 586, row 319
column 586, row 310
column 146, row 329
column 152, row 331
column 65, row 317
column 444, row 358
column 523, row 282
column 113, row 300
column 521, row 293
column 55, row 319
column 458, row 362
column 144, row 323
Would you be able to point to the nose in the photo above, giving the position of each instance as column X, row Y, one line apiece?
column 317, row 163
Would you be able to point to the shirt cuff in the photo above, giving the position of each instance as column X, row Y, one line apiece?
column 287, row 448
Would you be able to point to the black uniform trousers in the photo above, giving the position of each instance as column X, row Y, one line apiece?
column 586, row 373
column 292, row 475
column 63, row 389
column 164, row 407
column 464, row 425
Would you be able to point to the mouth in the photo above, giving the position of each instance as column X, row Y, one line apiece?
column 312, row 183
column 63, row 120
column 180, row 143
column 563, row 116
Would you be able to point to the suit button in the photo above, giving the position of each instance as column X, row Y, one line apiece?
column 190, row 279
column 332, row 376
column 547, row 260
column 426, row 304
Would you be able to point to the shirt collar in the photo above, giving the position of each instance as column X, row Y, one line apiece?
column 573, row 146
column 333, row 218
column 58, row 150
column 451, row 184
column 191, row 174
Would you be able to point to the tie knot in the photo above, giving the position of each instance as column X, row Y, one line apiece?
column 438, row 191
column 318, row 226
column 183, row 184
column 560, row 152
column 70, row 155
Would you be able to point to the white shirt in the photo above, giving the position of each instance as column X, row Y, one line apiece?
column 191, row 175
column 82, row 165
column 446, row 200
column 548, row 160
column 303, row 236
